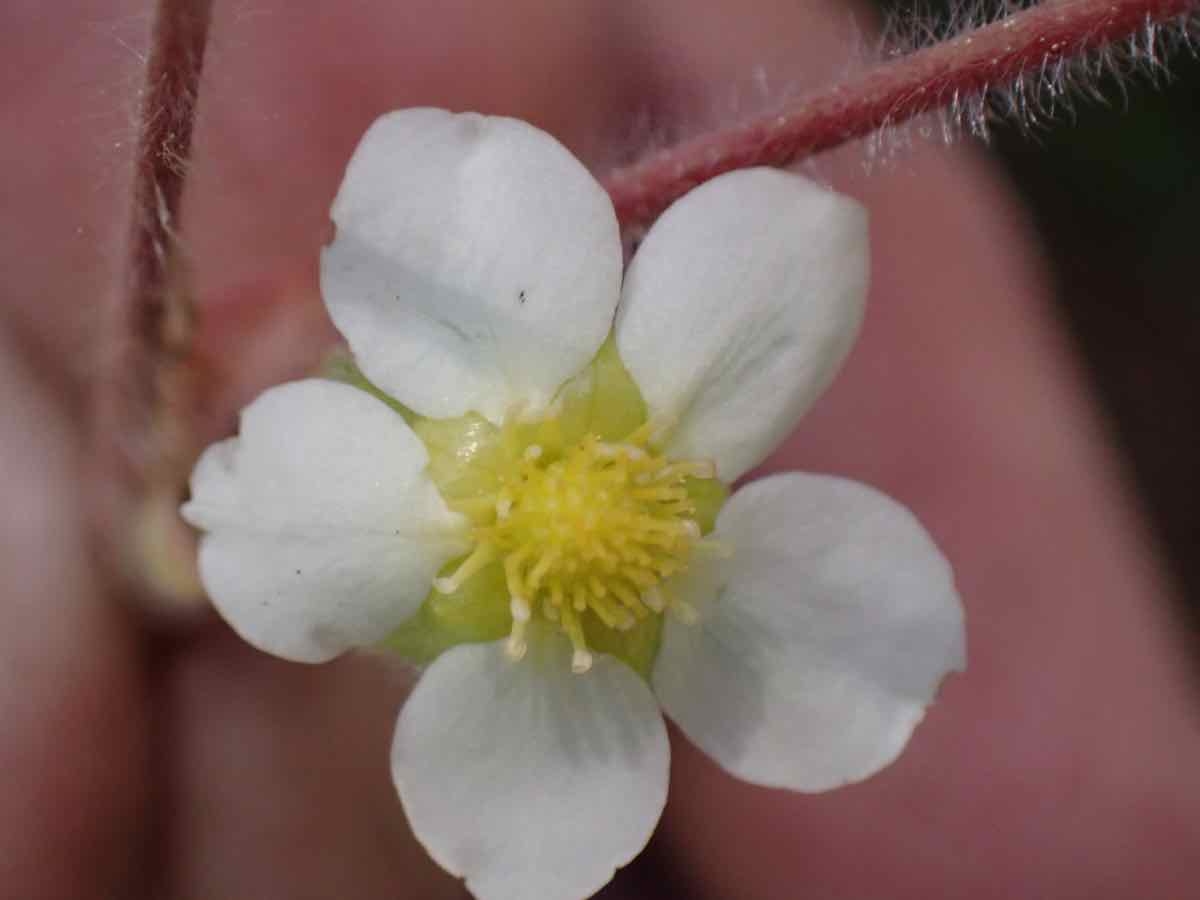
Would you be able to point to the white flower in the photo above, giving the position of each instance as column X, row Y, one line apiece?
column 475, row 272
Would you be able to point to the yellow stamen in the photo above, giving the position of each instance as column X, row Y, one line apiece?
column 515, row 647
column 586, row 534
column 653, row 598
column 681, row 609
column 483, row 554
column 581, row 659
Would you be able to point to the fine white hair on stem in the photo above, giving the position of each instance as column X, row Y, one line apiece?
column 929, row 78
column 1029, row 98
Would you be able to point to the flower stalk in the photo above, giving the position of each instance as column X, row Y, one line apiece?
column 890, row 93
column 142, row 412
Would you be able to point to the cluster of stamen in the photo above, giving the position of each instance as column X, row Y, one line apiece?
column 594, row 531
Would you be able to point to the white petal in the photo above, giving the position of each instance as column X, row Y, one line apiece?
column 526, row 779
column 476, row 265
column 820, row 641
column 323, row 531
column 739, row 307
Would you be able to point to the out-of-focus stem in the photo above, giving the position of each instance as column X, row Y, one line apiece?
column 888, row 93
column 139, row 435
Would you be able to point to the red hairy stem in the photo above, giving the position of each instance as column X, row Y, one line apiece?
column 887, row 94
column 142, row 393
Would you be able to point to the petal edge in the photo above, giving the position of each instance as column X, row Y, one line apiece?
column 322, row 530
column 505, row 789
column 738, row 309
column 822, row 640
column 476, row 265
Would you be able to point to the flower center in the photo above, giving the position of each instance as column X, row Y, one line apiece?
column 593, row 531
